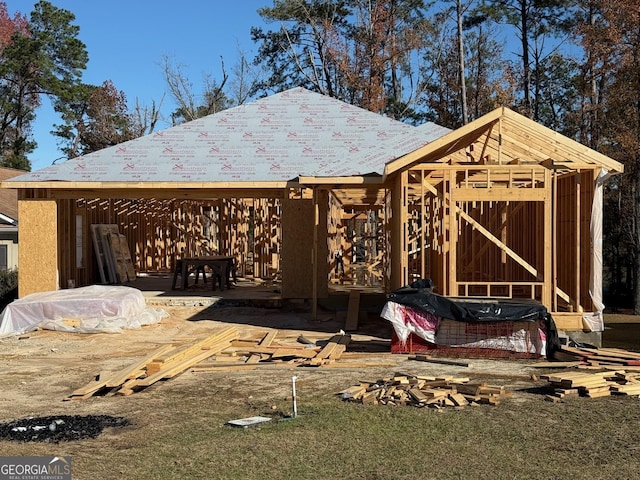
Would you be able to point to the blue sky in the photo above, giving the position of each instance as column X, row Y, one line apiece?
column 126, row 41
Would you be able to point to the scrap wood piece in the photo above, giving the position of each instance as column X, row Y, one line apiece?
column 430, row 359
column 223, row 367
column 334, row 348
column 459, row 399
column 353, row 309
column 626, row 389
column 468, row 388
column 282, row 352
column 356, row 392
column 568, row 364
column 409, row 390
column 612, row 352
column 88, row 390
column 265, row 342
column 359, row 364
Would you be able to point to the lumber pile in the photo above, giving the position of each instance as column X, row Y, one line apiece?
column 425, row 391
column 163, row 363
column 600, row 358
column 222, row 350
column 248, row 354
column 592, row 385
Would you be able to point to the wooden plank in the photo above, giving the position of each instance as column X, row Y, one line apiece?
column 442, row 361
column 282, row 352
column 568, row 364
column 176, row 368
column 353, row 308
column 571, row 322
column 118, row 378
column 103, row 231
column 611, row 352
column 360, row 364
column 100, row 255
column 177, row 354
column 98, row 383
column 126, row 256
column 332, row 345
column 222, row 367
column 265, row 342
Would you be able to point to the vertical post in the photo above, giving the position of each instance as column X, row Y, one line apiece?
column 548, row 243
column 404, row 225
column 453, row 236
column 578, row 305
column 554, row 243
column 423, row 229
column 293, row 395
column 314, row 256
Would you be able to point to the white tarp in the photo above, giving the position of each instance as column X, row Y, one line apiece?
column 593, row 321
column 92, row 309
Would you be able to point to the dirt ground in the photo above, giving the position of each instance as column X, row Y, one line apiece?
column 41, row 369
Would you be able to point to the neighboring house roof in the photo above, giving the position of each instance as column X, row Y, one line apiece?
column 8, row 199
column 271, row 140
column 506, row 137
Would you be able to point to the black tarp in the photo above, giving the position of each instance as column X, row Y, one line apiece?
column 420, row 296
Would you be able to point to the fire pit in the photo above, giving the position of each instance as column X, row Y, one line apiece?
column 59, row 428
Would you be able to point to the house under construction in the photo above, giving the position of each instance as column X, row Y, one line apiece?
column 501, row 208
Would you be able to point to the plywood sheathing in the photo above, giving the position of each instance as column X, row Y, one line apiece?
column 38, row 233
column 298, row 226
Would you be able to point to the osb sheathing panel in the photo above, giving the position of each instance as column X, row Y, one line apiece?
column 38, row 254
column 298, row 218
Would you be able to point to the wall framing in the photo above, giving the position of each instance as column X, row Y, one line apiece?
column 501, row 207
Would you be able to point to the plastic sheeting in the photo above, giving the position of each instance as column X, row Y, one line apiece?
column 469, row 310
column 513, row 325
column 92, row 309
column 594, row 321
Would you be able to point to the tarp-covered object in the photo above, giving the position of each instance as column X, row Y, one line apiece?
column 92, row 309
column 522, row 326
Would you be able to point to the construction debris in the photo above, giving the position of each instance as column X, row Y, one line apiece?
column 599, row 358
column 164, row 363
column 425, row 391
column 592, row 385
column 223, row 350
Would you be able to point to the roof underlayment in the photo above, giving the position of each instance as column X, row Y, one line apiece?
column 273, row 139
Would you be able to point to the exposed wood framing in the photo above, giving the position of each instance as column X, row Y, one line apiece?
column 489, row 230
column 498, row 208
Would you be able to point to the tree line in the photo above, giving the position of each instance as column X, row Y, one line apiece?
column 572, row 65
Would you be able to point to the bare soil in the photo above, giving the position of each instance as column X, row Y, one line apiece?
column 41, row 369
column 175, row 428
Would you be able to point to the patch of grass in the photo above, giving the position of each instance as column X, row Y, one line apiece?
column 181, row 433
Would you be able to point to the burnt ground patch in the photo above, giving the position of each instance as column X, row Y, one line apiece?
column 58, row 428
